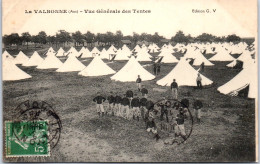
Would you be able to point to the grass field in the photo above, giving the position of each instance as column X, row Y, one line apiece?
column 226, row 133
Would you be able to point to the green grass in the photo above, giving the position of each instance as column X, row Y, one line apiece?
column 226, row 133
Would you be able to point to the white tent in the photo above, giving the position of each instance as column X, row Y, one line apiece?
column 137, row 48
column 21, row 58
column 143, row 55
column 246, row 58
column 247, row 77
column 130, row 72
column 95, row 52
column 71, row 64
column 167, row 57
column 73, row 51
column 60, row 52
column 7, row 56
column 50, row 51
column 104, row 54
column 153, row 48
column 112, row 50
column 11, row 72
column 35, row 60
column 97, row 68
column 184, row 74
column 222, row 55
column 198, row 58
column 122, row 55
column 50, row 62
column 85, row 53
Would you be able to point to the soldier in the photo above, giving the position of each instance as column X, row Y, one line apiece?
column 135, row 103
column 139, row 82
column 164, row 111
column 117, row 107
column 144, row 91
column 151, row 127
column 111, row 102
column 99, row 104
column 125, row 106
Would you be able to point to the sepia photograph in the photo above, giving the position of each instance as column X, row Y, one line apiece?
column 129, row 81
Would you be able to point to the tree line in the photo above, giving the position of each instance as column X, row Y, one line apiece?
column 108, row 38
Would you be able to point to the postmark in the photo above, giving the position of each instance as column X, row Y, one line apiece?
column 36, row 124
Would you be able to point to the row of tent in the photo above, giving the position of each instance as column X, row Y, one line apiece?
column 183, row 72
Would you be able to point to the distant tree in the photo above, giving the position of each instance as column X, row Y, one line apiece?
column 26, row 37
column 35, row 40
column 78, row 37
column 6, row 40
column 205, row 38
column 118, row 37
column 89, row 37
column 220, row 39
column 135, row 37
column 233, row 38
column 14, row 38
column 109, row 37
column 42, row 36
column 179, row 37
column 63, row 36
column 156, row 38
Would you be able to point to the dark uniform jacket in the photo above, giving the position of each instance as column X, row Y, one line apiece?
column 185, row 103
column 129, row 93
column 118, row 100
column 135, row 102
column 174, row 85
column 125, row 101
column 149, row 105
column 143, row 101
column 180, row 119
column 138, row 80
column 150, row 124
column 197, row 104
column 111, row 99
column 144, row 91
column 99, row 99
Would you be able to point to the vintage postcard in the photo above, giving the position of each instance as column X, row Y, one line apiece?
column 129, row 81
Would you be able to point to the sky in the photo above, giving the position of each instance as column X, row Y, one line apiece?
column 167, row 17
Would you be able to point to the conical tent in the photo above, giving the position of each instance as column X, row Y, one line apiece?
column 60, row 52
column 35, row 60
column 137, row 48
column 222, row 55
column 184, row 74
column 104, row 54
column 247, row 77
column 122, row 55
column 71, row 64
column 111, row 50
column 245, row 58
column 7, row 56
column 97, row 68
column 130, row 72
column 73, row 51
column 167, row 57
column 85, row 53
column 198, row 58
column 21, row 58
column 143, row 55
column 50, row 62
column 11, row 72
column 95, row 52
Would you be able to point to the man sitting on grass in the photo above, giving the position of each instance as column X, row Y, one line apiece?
column 151, row 127
column 99, row 104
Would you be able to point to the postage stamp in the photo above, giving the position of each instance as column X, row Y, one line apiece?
column 27, row 138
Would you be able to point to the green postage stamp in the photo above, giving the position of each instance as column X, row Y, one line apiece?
column 26, row 138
